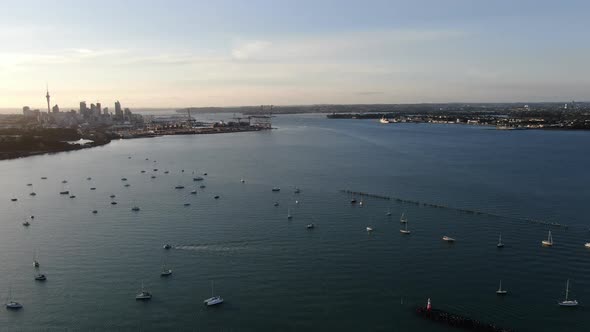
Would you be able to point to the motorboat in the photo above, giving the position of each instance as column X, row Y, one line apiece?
column 72, row 196
column 29, row 184
column 297, row 191
column 123, row 179
column 43, row 178
column 242, row 181
column 153, row 176
column 112, row 196
column 135, row 208
column 448, row 239
column 40, row 277
column 166, row 172
column 193, row 192
column 165, row 272
column 383, row 120
column 14, row 199
column 94, row 211
column 202, row 186
column 276, row 204
column 276, row 189
column 167, row 246
column 13, row 305
column 33, row 194
column 179, row 187
column 93, row 188
column 64, row 181
column 587, row 245
column 127, row 184
column 369, row 229
column 26, row 223
column 198, row 178
column 310, row 226
column 216, row 196
column 65, row 192
column 113, row 203
column 187, row 204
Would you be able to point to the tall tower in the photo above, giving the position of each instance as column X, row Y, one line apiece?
column 47, row 96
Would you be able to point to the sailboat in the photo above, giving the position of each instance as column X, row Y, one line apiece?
column 35, row 261
column 403, row 218
column 165, row 272
column 500, row 244
column 405, row 230
column 143, row 295
column 388, row 212
column 501, row 291
column 10, row 303
column 214, row 299
column 384, row 120
column 566, row 302
column 549, row 241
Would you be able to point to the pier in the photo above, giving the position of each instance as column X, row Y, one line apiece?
column 458, row 321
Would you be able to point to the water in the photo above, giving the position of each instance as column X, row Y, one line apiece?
column 274, row 273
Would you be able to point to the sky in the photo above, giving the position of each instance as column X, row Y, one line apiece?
column 227, row 53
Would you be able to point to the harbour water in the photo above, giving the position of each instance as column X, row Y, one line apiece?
column 275, row 274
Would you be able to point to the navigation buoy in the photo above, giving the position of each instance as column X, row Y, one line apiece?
column 428, row 305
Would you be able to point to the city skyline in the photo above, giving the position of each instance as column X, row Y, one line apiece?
column 181, row 54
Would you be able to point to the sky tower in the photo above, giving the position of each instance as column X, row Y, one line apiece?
column 47, row 96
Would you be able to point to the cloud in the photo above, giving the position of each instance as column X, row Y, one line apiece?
column 251, row 49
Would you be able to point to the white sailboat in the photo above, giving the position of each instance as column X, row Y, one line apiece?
column 500, row 244
column 403, row 218
column 214, row 299
column 548, row 242
column 501, row 291
column 369, row 229
column 567, row 302
column 448, row 239
column 405, row 230
column 388, row 212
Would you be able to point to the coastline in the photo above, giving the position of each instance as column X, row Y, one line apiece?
column 17, row 154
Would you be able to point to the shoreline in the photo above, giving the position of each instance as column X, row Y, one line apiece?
column 9, row 155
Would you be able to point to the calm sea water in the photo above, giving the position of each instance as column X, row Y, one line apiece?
column 276, row 275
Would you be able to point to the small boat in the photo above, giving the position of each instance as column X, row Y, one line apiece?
column 94, row 211
column 142, row 171
column 165, row 272
column 361, row 202
column 369, row 229
column 35, row 261
column 155, row 169
column 275, row 189
column 40, row 277
column 310, row 226
column 13, row 305
column 88, row 178
column 143, row 295
column 179, row 187
column 501, row 291
column 65, row 192
column 202, row 186
column 403, row 219
column 383, row 120
column 448, row 239
column 187, row 204
column 297, row 191
column 135, row 208
column 26, row 223
column 14, row 199
column 242, row 181
column 33, row 194
column 405, row 230
column 353, row 201
column 500, row 244
column 198, row 178
column 587, row 245
column 276, row 204
column 193, row 192
column 205, row 174
column 214, row 299
column 113, row 203
column 567, row 302
column 112, row 196
column 64, row 181
column 167, row 246
column 388, row 212
column 72, row 196
column 153, row 176
column 548, row 242
column 166, row 172
column 123, row 179
column 127, row 184
column 93, row 188
column 289, row 216
column 216, row 196
column 29, row 184
column 43, row 178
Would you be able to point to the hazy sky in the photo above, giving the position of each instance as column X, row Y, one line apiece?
column 213, row 53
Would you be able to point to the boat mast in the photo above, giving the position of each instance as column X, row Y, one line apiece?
column 567, row 288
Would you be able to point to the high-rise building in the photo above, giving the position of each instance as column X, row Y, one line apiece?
column 83, row 108
column 98, row 109
column 55, row 109
column 118, row 111
column 105, row 111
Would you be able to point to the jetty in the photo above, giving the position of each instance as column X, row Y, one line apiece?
column 458, row 321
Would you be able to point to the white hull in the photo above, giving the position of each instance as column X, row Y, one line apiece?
column 448, row 239
column 572, row 303
column 213, row 301
column 403, row 231
column 546, row 243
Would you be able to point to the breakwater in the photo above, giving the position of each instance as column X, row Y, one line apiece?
column 442, row 206
column 459, row 321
